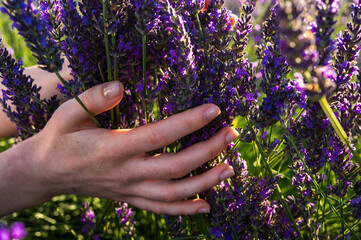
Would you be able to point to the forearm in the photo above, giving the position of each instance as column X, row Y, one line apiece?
column 48, row 83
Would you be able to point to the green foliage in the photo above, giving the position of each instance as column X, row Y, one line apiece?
column 14, row 41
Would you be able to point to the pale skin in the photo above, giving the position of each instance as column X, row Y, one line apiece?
column 72, row 156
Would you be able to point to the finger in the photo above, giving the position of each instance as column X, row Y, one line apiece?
column 175, row 190
column 171, row 166
column 156, row 135
column 97, row 99
column 184, row 207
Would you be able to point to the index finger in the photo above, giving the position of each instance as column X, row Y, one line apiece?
column 157, row 135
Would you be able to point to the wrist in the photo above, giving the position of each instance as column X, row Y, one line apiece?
column 21, row 185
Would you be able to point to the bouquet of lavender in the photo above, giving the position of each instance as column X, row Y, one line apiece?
column 296, row 107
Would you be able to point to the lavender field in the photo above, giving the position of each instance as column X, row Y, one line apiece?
column 285, row 74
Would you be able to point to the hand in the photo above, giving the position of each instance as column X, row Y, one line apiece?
column 71, row 155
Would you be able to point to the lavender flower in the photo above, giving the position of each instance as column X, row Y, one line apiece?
column 176, row 226
column 126, row 217
column 313, row 133
column 18, row 230
column 355, row 203
column 5, row 234
column 52, row 14
column 81, row 43
column 33, row 27
column 14, row 231
column 348, row 46
column 87, row 218
column 323, row 29
column 20, row 91
column 280, row 93
column 242, row 208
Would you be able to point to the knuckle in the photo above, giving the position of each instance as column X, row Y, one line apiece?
column 124, row 177
column 119, row 177
column 58, row 119
column 157, row 138
column 212, row 153
column 159, row 210
column 170, row 196
column 177, row 170
column 106, row 152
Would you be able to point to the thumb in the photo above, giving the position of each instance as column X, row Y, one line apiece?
column 97, row 99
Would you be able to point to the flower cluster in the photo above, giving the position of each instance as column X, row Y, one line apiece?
column 312, row 132
column 15, row 231
column 176, row 226
column 242, row 208
column 280, row 93
column 88, row 220
column 34, row 28
column 323, row 29
column 355, row 203
column 126, row 217
column 30, row 112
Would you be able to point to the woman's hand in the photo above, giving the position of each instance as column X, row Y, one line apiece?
column 71, row 155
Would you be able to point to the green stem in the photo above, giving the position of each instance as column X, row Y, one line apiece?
column 101, row 73
column 344, row 204
column 117, row 111
column 62, row 80
column 258, row 171
column 107, row 208
column 202, row 225
column 320, row 190
column 191, row 237
column 278, row 153
column 353, row 226
column 341, row 213
column 115, row 59
column 106, row 41
column 334, row 121
column 275, row 160
column 157, row 116
column 278, row 189
column 199, row 26
column 144, row 57
column 136, row 94
column 328, row 172
column 157, row 229
column 269, row 140
column 107, row 50
column 337, row 126
column 318, row 206
column 39, row 102
column 236, row 143
column 235, row 235
column 275, row 235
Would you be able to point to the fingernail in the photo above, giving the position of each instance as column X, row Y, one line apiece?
column 231, row 136
column 203, row 210
column 111, row 90
column 211, row 112
column 226, row 174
